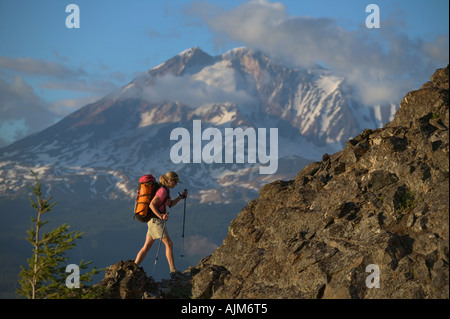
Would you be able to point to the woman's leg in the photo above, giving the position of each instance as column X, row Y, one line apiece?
column 169, row 253
column 144, row 250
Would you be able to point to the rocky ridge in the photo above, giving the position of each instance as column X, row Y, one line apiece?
column 382, row 203
column 370, row 221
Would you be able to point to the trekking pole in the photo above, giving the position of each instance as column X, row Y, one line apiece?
column 182, row 235
column 159, row 246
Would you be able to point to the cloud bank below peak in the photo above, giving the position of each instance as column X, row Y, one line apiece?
column 191, row 90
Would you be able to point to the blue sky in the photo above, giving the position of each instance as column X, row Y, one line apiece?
column 48, row 71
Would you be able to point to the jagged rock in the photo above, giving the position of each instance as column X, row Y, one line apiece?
column 383, row 201
column 125, row 280
column 208, row 281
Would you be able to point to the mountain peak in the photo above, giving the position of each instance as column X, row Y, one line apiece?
column 192, row 51
column 239, row 51
column 242, row 87
column 183, row 60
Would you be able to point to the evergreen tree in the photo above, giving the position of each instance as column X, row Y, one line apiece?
column 46, row 274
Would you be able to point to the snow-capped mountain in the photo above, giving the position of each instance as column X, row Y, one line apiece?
column 101, row 150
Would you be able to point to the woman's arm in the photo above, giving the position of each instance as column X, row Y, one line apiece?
column 171, row 202
column 153, row 206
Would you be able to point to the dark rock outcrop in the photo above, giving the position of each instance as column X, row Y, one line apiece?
column 125, row 280
column 379, row 206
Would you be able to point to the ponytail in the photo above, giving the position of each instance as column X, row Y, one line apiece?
column 163, row 180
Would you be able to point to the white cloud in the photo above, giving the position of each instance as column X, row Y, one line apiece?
column 187, row 90
column 22, row 111
column 31, row 66
column 382, row 64
column 199, row 245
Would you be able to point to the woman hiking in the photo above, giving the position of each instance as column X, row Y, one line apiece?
column 156, row 225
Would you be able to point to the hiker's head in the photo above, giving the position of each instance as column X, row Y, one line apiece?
column 169, row 180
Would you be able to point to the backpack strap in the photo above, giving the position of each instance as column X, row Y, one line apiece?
column 136, row 201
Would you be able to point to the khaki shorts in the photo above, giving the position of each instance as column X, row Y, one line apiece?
column 155, row 228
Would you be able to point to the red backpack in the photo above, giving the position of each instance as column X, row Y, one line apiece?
column 145, row 193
